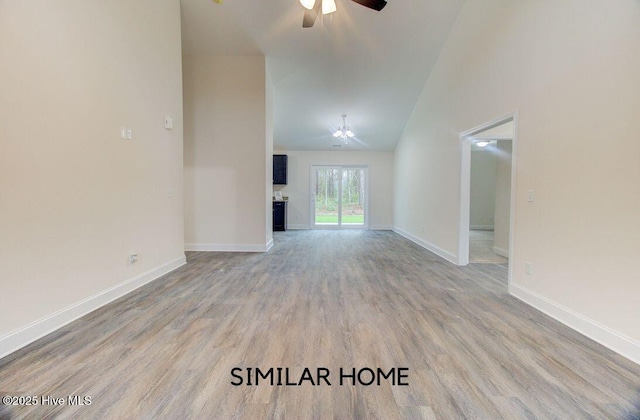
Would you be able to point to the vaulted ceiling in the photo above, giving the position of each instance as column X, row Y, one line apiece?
column 369, row 65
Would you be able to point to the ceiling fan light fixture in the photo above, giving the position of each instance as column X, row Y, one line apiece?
column 325, row 7
column 308, row 4
column 328, row 6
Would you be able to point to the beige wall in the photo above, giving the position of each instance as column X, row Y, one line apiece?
column 483, row 188
column 503, row 198
column 76, row 199
column 225, row 153
column 298, row 187
column 269, row 157
column 571, row 73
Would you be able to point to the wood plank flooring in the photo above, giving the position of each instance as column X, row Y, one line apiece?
column 332, row 299
column 481, row 248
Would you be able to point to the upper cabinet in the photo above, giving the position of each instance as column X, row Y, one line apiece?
column 279, row 169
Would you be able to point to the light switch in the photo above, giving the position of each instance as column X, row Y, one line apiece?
column 531, row 196
column 168, row 123
column 123, row 132
column 129, row 134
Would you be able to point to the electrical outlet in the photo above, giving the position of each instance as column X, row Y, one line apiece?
column 528, row 268
column 133, row 258
column 126, row 133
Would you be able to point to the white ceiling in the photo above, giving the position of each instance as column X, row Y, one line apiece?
column 369, row 65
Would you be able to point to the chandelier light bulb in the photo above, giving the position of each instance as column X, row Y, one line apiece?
column 308, row 4
column 328, row 6
column 344, row 132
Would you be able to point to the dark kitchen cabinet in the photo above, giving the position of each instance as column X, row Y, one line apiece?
column 279, row 169
column 279, row 216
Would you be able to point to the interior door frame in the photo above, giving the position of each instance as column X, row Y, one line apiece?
column 465, row 188
column 312, row 198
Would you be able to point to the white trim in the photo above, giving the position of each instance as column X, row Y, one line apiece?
column 381, row 227
column 481, row 227
column 512, row 204
column 228, row 247
column 489, row 138
column 269, row 245
column 465, row 202
column 501, row 252
column 15, row 340
column 465, row 188
column 602, row 334
column 298, row 227
column 428, row 246
column 308, row 227
column 344, row 226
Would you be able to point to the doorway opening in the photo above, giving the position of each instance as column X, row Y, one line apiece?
column 487, row 192
column 339, row 197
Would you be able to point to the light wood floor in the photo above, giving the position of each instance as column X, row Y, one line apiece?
column 324, row 299
column 481, row 248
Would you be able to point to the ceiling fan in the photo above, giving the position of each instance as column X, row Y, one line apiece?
column 313, row 8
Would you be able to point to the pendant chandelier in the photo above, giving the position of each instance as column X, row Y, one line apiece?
column 344, row 132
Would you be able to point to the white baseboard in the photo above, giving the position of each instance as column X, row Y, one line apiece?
column 381, row 227
column 481, row 227
column 606, row 336
column 17, row 339
column 269, row 244
column 501, row 252
column 228, row 247
column 307, row 227
column 298, row 227
column 429, row 246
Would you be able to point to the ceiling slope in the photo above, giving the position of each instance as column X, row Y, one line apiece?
column 369, row 65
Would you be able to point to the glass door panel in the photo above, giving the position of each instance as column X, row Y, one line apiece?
column 327, row 193
column 339, row 196
column 353, row 197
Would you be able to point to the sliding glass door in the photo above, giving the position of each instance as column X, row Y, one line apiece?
column 339, row 196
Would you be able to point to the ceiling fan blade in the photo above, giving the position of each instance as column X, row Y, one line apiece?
column 372, row 4
column 310, row 16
